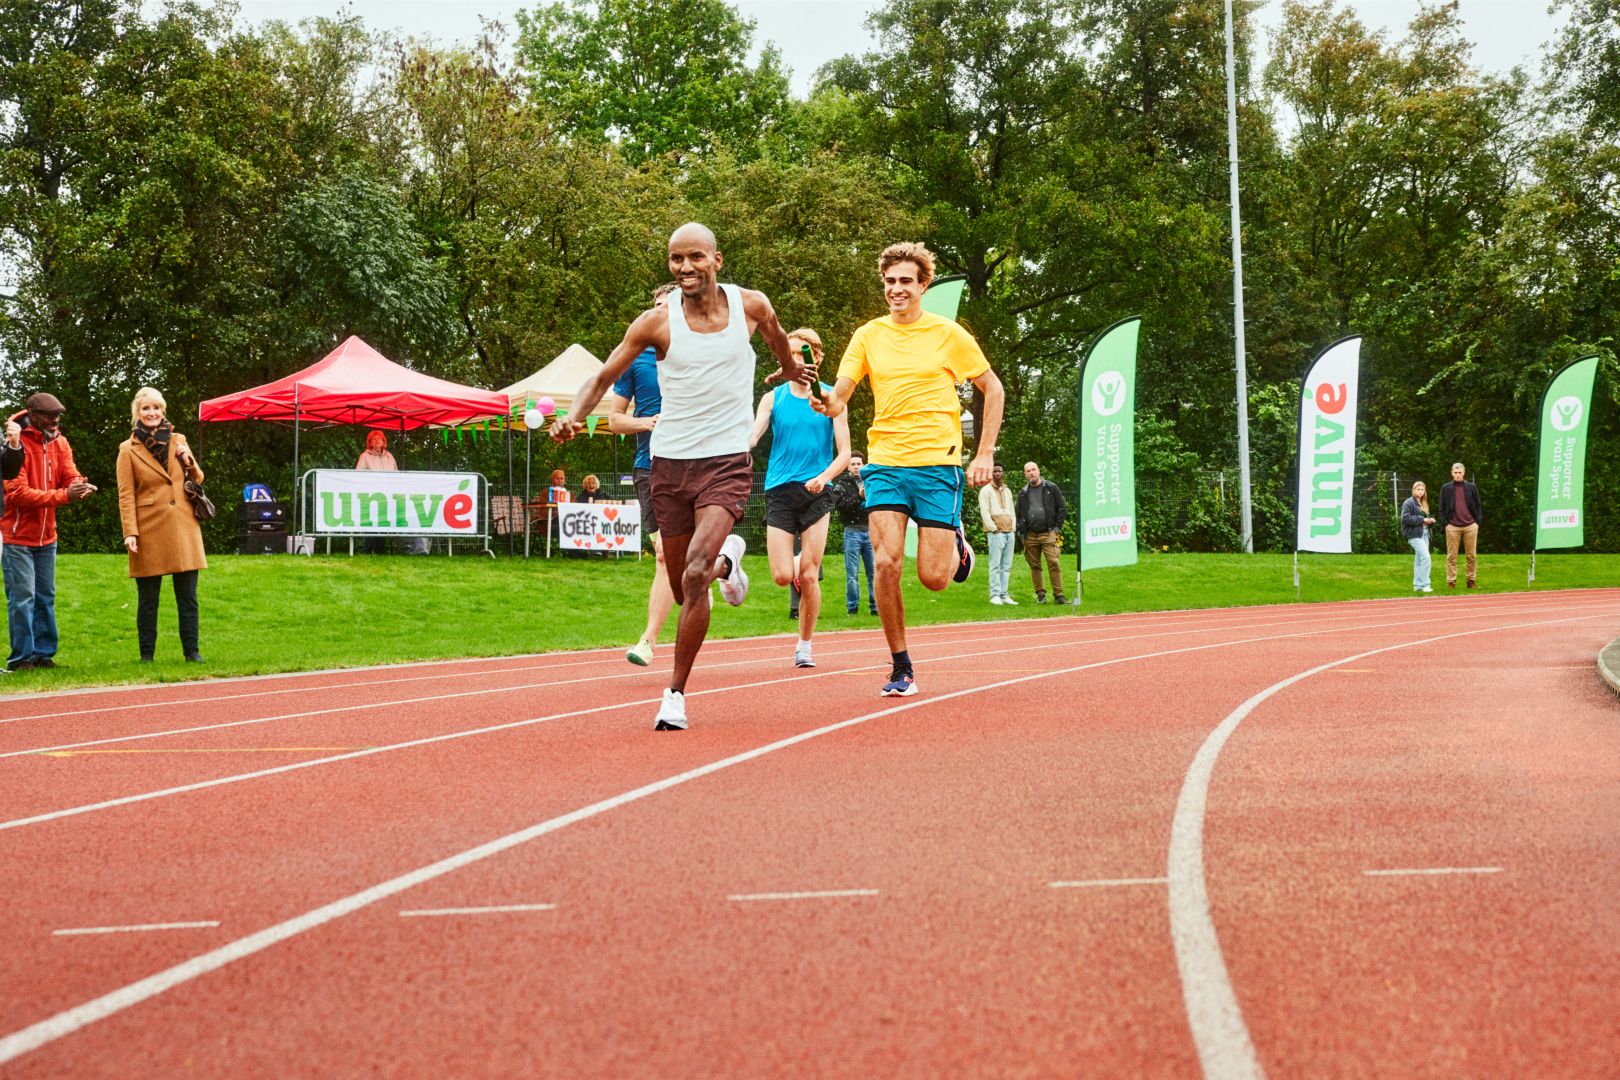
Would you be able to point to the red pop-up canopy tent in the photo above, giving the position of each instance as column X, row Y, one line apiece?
column 355, row 384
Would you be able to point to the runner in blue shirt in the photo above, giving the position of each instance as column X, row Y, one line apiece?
column 639, row 384
column 807, row 451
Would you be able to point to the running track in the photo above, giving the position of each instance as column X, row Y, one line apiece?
column 1364, row 839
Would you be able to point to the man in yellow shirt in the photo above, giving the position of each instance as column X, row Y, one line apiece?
column 914, row 361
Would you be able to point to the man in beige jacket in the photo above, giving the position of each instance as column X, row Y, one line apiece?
column 996, row 511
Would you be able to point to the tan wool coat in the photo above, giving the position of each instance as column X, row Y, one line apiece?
column 153, row 506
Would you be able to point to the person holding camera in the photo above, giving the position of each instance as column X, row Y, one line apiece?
column 161, row 532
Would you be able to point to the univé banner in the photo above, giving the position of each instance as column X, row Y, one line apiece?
column 354, row 501
column 1107, row 466
column 1561, row 479
column 1327, row 448
column 599, row 527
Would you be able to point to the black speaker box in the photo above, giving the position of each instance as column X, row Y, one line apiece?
column 263, row 544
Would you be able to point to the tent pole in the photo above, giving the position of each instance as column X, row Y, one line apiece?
column 298, row 511
column 528, row 464
column 511, row 491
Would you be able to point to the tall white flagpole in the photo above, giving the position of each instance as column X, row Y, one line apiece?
column 1237, row 287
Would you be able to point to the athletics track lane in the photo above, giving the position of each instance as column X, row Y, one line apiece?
column 962, row 816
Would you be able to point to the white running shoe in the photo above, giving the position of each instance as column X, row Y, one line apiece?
column 734, row 586
column 672, row 712
column 1009, row 600
column 640, row 654
column 801, row 655
column 995, row 599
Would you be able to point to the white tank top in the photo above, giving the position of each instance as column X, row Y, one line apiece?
column 707, row 381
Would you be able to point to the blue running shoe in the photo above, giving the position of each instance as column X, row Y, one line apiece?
column 900, row 684
column 964, row 558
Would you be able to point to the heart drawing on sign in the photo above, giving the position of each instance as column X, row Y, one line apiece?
column 611, row 513
column 600, row 539
column 580, row 543
column 618, row 541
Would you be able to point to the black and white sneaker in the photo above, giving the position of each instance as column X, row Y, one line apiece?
column 671, row 712
column 964, row 558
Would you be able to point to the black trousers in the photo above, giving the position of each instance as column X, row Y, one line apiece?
column 147, row 591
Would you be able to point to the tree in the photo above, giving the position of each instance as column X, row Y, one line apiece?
column 657, row 78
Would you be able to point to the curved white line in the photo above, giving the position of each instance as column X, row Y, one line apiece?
column 1222, row 1038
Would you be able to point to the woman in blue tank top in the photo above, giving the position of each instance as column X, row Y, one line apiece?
column 807, row 451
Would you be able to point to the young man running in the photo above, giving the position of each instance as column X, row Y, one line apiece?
column 808, row 449
column 702, row 473
column 639, row 384
column 914, row 360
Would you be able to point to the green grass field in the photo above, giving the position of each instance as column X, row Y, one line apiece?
column 269, row 614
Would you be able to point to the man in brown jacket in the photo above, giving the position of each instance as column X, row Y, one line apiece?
column 48, row 479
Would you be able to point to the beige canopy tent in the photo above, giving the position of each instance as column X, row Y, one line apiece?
column 559, row 380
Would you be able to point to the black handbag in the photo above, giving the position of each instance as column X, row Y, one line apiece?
column 201, row 504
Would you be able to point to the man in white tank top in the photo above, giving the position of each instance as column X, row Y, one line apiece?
column 702, row 472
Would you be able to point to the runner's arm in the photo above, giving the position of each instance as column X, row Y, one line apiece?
column 984, row 458
column 819, row 482
column 762, row 420
column 641, row 334
column 757, row 306
column 620, row 422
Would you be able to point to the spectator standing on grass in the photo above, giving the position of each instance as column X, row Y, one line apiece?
column 1459, row 509
column 849, row 498
column 161, row 532
column 1000, row 519
column 1040, row 513
column 11, row 463
column 1415, row 522
column 47, row 480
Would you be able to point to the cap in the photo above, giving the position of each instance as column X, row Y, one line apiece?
column 45, row 403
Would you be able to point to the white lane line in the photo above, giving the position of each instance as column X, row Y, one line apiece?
column 1221, row 1037
column 512, row 688
column 70, row 1020
column 138, row 928
column 1103, row 883
column 710, row 667
column 797, row 677
column 499, row 910
column 823, row 894
column 1435, row 870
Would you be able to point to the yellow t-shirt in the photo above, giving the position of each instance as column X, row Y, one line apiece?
column 914, row 371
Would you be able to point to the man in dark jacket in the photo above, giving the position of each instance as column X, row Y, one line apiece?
column 1459, row 509
column 48, row 479
column 1040, row 512
column 849, row 499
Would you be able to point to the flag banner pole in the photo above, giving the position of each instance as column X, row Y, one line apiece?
column 1326, row 451
column 1105, row 451
column 1566, row 409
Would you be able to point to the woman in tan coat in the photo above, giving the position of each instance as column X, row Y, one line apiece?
column 160, row 530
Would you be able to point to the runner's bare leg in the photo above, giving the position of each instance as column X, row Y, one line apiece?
column 936, row 557
column 813, row 542
column 700, row 564
column 888, row 532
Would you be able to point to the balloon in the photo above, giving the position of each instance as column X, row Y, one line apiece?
column 533, row 418
column 546, row 406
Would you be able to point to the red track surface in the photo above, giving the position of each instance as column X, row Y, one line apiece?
column 1109, row 846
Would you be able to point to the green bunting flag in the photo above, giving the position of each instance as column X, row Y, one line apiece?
column 1561, row 480
column 944, row 296
column 590, row 424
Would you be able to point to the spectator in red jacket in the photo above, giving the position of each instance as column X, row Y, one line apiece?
column 48, row 479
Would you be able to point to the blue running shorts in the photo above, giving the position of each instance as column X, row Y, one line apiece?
column 930, row 495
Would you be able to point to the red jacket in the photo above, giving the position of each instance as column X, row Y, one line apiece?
column 32, row 498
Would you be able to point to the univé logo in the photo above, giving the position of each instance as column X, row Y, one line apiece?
column 1327, row 464
column 1560, row 519
column 398, row 509
column 1101, row 530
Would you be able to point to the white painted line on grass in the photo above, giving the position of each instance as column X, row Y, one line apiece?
column 823, row 894
column 499, row 910
column 1103, row 883
column 1221, row 1037
column 138, row 928
column 70, row 1020
column 1435, row 870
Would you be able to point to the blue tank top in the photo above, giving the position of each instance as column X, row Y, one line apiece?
column 801, row 439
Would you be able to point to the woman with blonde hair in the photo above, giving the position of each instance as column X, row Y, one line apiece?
column 1415, row 522
column 161, row 532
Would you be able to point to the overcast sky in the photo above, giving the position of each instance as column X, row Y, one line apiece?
column 812, row 32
